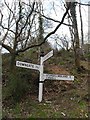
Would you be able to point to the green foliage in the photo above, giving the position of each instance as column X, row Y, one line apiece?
column 82, row 104
column 51, row 61
column 87, row 56
column 57, row 104
column 6, row 60
column 17, row 110
column 61, row 63
column 20, row 81
column 17, row 85
column 27, row 55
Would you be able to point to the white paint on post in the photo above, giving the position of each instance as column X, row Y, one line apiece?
column 40, row 91
column 41, row 81
column 27, row 65
column 43, row 76
column 50, row 54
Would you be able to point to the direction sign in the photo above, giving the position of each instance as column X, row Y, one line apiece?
column 57, row 77
column 27, row 65
column 42, row 75
column 50, row 54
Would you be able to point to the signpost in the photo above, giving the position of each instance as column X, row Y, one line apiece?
column 27, row 65
column 47, row 56
column 42, row 75
column 58, row 77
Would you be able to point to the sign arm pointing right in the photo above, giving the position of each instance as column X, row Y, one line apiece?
column 47, row 56
column 42, row 75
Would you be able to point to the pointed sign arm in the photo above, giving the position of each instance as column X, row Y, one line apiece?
column 27, row 65
column 47, row 56
column 58, row 77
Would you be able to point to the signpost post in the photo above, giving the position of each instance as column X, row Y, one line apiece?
column 41, row 81
column 42, row 75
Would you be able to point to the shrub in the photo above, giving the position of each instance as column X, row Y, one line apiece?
column 17, row 86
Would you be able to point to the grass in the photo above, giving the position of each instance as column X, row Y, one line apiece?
column 60, row 107
column 61, row 63
column 63, row 104
column 17, row 110
column 82, row 104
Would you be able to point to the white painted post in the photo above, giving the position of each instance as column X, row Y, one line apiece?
column 41, row 81
column 43, row 76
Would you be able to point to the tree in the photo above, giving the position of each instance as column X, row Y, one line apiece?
column 62, row 42
column 82, row 36
column 41, row 29
column 74, row 30
column 20, row 29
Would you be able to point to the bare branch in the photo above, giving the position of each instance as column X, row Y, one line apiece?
column 1, row 17
column 6, row 47
column 5, row 36
column 7, row 29
column 55, row 20
column 27, row 19
column 48, row 17
column 37, row 45
column 8, row 6
column 54, row 8
column 58, row 43
column 82, row 4
column 59, row 23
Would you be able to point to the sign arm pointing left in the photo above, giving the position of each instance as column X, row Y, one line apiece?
column 27, row 65
column 43, row 76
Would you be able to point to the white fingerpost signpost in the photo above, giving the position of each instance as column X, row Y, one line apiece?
column 27, row 65
column 42, row 75
column 41, row 80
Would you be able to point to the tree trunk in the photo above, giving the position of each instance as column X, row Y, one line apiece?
column 12, row 61
column 77, row 56
column 76, row 35
column 82, row 38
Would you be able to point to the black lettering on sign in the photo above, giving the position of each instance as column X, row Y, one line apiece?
column 25, row 65
column 22, row 64
column 32, row 66
column 18, row 63
column 29, row 65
